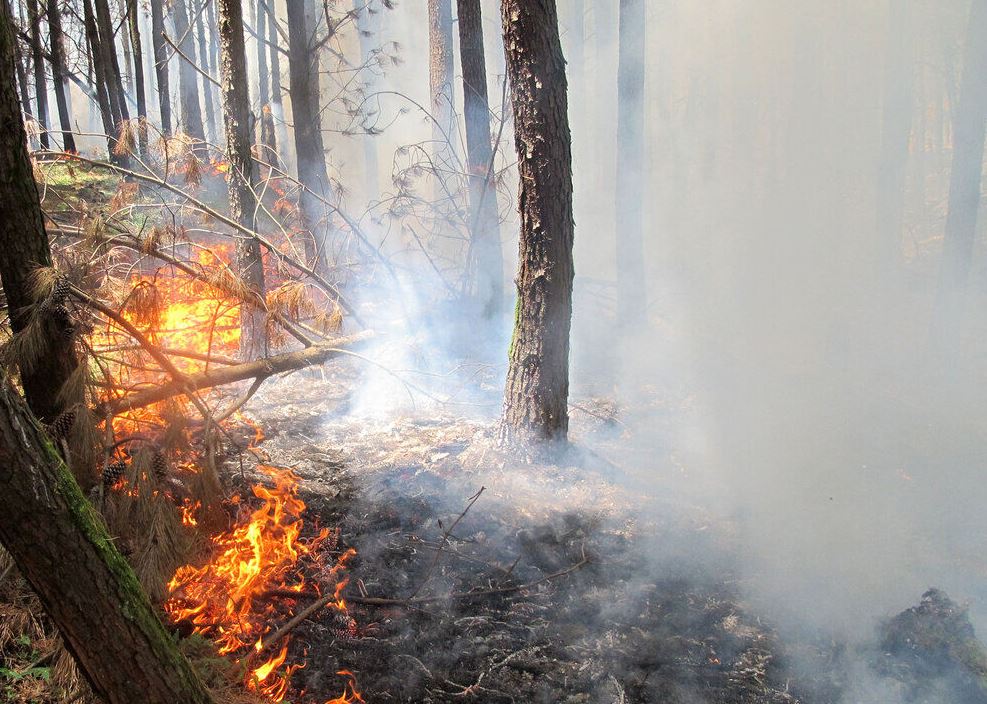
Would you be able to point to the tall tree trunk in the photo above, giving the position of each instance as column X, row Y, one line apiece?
column 440, row 79
column 40, row 81
column 111, row 63
column 537, row 391
column 188, row 83
column 484, row 215
column 133, row 17
column 99, row 80
column 631, row 173
column 277, row 106
column 303, row 67
column 58, row 77
column 204, row 64
column 21, row 70
column 243, row 203
column 267, row 138
column 161, row 64
column 25, row 248
column 367, row 27
column 968, row 154
column 62, row 548
column 899, row 79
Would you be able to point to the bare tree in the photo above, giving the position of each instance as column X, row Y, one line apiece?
column 40, row 80
column 537, row 391
column 243, row 202
column 631, row 175
column 484, row 216
column 968, row 154
column 161, row 64
column 99, row 80
column 303, row 69
column 440, row 79
column 188, row 82
column 58, row 68
column 133, row 18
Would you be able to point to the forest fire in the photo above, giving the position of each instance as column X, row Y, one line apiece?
column 226, row 599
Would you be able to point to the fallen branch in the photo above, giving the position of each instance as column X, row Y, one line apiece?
column 260, row 369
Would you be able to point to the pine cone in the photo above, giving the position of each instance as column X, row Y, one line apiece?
column 61, row 290
column 159, row 464
column 62, row 425
column 113, row 472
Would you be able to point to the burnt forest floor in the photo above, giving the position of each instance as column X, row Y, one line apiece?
column 565, row 581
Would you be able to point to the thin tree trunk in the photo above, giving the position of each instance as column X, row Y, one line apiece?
column 204, row 64
column 161, row 64
column 99, row 80
column 22, row 82
column 307, row 118
column 899, row 79
column 537, row 390
column 40, row 81
column 367, row 26
column 968, row 155
column 243, row 202
column 631, row 173
column 277, row 106
column 188, row 83
column 440, row 80
column 58, row 74
column 63, row 549
column 133, row 16
column 267, row 138
column 111, row 63
column 484, row 215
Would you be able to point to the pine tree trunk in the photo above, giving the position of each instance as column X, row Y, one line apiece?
column 133, row 17
column 188, row 83
column 243, row 203
column 536, row 395
column 268, row 139
column 485, row 243
column 367, row 27
column 279, row 133
column 111, row 63
column 99, row 80
column 207, row 86
column 25, row 248
column 62, row 548
column 968, row 154
column 161, row 65
column 21, row 70
column 440, row 79
column 40, row 81
column 307, row 119
column 57, row 51
column 631, row 173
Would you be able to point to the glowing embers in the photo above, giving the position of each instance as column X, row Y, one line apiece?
column 229, row 598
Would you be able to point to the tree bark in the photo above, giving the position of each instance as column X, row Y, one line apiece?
column 303, row 68
column 25, row 248
column 207, row 87
column 133, row 17
column 440, row 80
column 485, row 243
column 62, row 548
column 367, row 27
column 21, row 70
column 40, row 81
column 58, row 77
column 631, row 173
column 277, row 106
column 111, row 63
column 161, row 64
column 537, row 390
column 968, row 154
column 243, row 202
column 99, row 80
column 188, row 84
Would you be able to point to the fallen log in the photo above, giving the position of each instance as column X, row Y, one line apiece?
column 260, row 369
